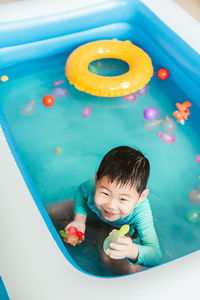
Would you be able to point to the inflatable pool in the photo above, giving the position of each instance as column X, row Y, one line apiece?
column 46, row 152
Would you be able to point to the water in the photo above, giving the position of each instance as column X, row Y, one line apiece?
column 82, row 142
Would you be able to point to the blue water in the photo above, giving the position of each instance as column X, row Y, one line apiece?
column 84, row 141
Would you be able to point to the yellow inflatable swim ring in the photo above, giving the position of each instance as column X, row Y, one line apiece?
column 139, row 73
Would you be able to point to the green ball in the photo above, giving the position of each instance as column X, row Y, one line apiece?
column 193, row 216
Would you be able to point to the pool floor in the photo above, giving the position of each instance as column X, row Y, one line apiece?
column 62, row 146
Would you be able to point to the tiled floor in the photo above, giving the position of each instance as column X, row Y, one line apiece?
column 6, row 1
column 191, row 6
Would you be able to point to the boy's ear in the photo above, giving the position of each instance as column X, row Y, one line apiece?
column 143, row 195
column 95, row 177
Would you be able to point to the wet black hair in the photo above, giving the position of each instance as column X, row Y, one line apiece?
column 127, row 166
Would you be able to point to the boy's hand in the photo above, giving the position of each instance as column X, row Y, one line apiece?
column 124, row 248
column 78, row 224
column 74, row 240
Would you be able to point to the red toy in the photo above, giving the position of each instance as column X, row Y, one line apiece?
column 163, row 74
column 73, row 237
column 48, row 100
column 72, row 230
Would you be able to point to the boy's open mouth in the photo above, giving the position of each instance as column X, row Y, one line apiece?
column 108, row 213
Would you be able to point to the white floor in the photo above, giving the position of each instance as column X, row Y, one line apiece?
column 31, row 264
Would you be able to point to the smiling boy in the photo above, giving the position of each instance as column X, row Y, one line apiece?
column 118, row 196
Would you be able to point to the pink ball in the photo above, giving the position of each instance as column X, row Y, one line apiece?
column 195, row 196
column 86, row 112
column 167, row 138
column 130, row 97
column 198, row 158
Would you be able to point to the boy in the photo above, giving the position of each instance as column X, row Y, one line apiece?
column 117, row 196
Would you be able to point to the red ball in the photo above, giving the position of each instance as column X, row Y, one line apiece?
column 163, row 74
column 79, row 234
column 72, row 230
column 48, row 100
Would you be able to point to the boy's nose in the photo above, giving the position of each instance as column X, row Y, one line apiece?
column 112, row 204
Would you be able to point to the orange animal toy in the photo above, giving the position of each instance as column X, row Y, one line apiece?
column 183, row 111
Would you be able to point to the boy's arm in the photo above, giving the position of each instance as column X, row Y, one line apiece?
column 80, row 199
column 80, row 208
column 149, row 249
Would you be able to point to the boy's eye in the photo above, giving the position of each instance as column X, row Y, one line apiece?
column 106, row 194
column 122, row 199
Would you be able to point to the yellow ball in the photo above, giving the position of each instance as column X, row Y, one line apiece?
column 4, row 78
column 58, row 150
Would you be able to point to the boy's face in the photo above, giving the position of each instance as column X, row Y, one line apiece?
column 115, row 201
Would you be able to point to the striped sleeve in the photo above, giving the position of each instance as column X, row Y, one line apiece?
column 149, row 249
column 80, row 199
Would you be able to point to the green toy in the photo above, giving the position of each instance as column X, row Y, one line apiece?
column 113, row 237
column 193, row 216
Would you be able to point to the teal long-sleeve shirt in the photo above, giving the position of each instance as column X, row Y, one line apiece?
column 141, row 219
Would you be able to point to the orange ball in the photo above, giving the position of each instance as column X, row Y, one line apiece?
column 48, row 100
column 163, row 74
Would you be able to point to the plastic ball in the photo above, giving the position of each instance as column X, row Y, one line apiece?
column 163, row 74
column 58, row 150
column 130, row 98
column 169, row 125
column 93, row 69
column 4, row 78
column 86, row 112
column 79, row 234
column 48, row 100
column 28, row 109
column 193, row 216
column 59, row 92
column 152, row 124
column 167, row 138
column 143, row 91
column 195, row 196
column 151, row 113
column 99, row 64
column 198, row 158
column 72, row 230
